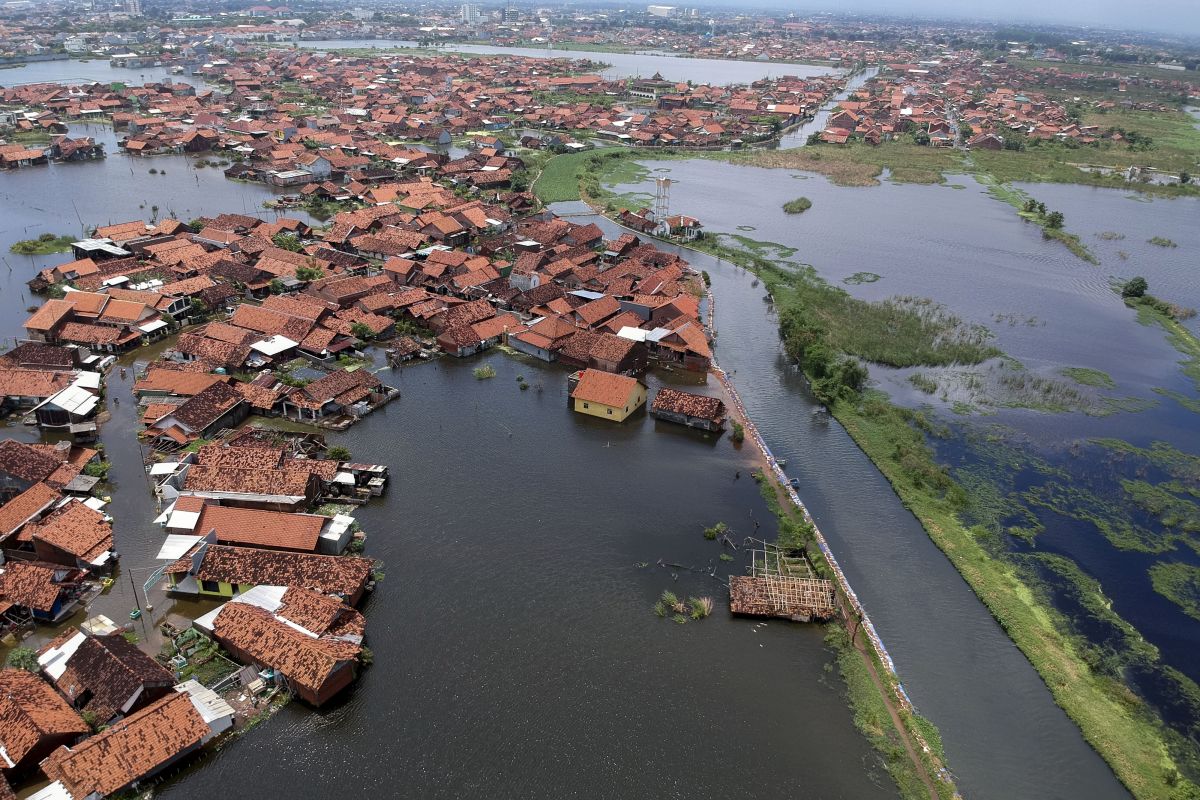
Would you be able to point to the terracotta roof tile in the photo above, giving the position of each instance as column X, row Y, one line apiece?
column 29, row 710
column 133, row 748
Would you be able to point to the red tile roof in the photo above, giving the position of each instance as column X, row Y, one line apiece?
column 134, row 748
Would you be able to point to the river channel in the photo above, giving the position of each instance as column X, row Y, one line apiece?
column 515, row 652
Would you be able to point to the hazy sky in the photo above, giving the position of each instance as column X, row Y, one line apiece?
column 1170, row 16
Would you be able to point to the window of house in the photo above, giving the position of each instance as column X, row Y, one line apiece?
column 210, row 586
column 610, row 412
column 585, row 405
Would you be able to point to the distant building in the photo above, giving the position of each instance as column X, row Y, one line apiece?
column 470, row 13
column 661, row 11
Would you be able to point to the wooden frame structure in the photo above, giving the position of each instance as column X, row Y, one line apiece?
column 780, row 585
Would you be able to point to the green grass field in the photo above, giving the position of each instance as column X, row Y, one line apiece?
column 860, row 164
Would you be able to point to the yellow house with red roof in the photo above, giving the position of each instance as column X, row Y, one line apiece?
column 608, row 396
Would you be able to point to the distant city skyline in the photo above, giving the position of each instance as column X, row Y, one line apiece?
column 1180, row 17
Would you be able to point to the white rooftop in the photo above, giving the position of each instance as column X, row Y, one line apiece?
column 151, row 327
column 274, row 346
column 74, row 400
column 55, row 791
column 54, row 661
column 176, row 546
column 88, row 380
column 208, row 703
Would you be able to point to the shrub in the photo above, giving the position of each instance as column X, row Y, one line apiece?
column 97, row 470
column 22, row 658
column 1135, row 287
column 720, row 529
column 338, row 453
column 484, row 372
column 797, row 206
column 701, row 606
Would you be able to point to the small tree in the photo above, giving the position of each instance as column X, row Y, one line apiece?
column 338, row 453
column 199, row 308
column 22, row 658
column 1185, row 177
column 1135, row 287
column 361, row 331
column 309, row 273
column 1054, row 220
column 287, row 242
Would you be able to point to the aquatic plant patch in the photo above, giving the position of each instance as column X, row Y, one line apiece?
column 1179, row 583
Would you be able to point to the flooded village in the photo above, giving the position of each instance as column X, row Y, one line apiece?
column 258, row 322
column 312, row 344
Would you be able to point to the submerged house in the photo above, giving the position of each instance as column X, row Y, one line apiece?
column 692, row 410
column 130, row 751
column 216, row 407
column 34, row 721
column 217, row 571
column 311, row 641
column 267, row 530
column 105, row 676
column 46, row 592
column 605, row 395
column 336, row 393
column 73, row 535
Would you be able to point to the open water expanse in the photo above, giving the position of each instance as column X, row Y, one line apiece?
column 515, row 651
